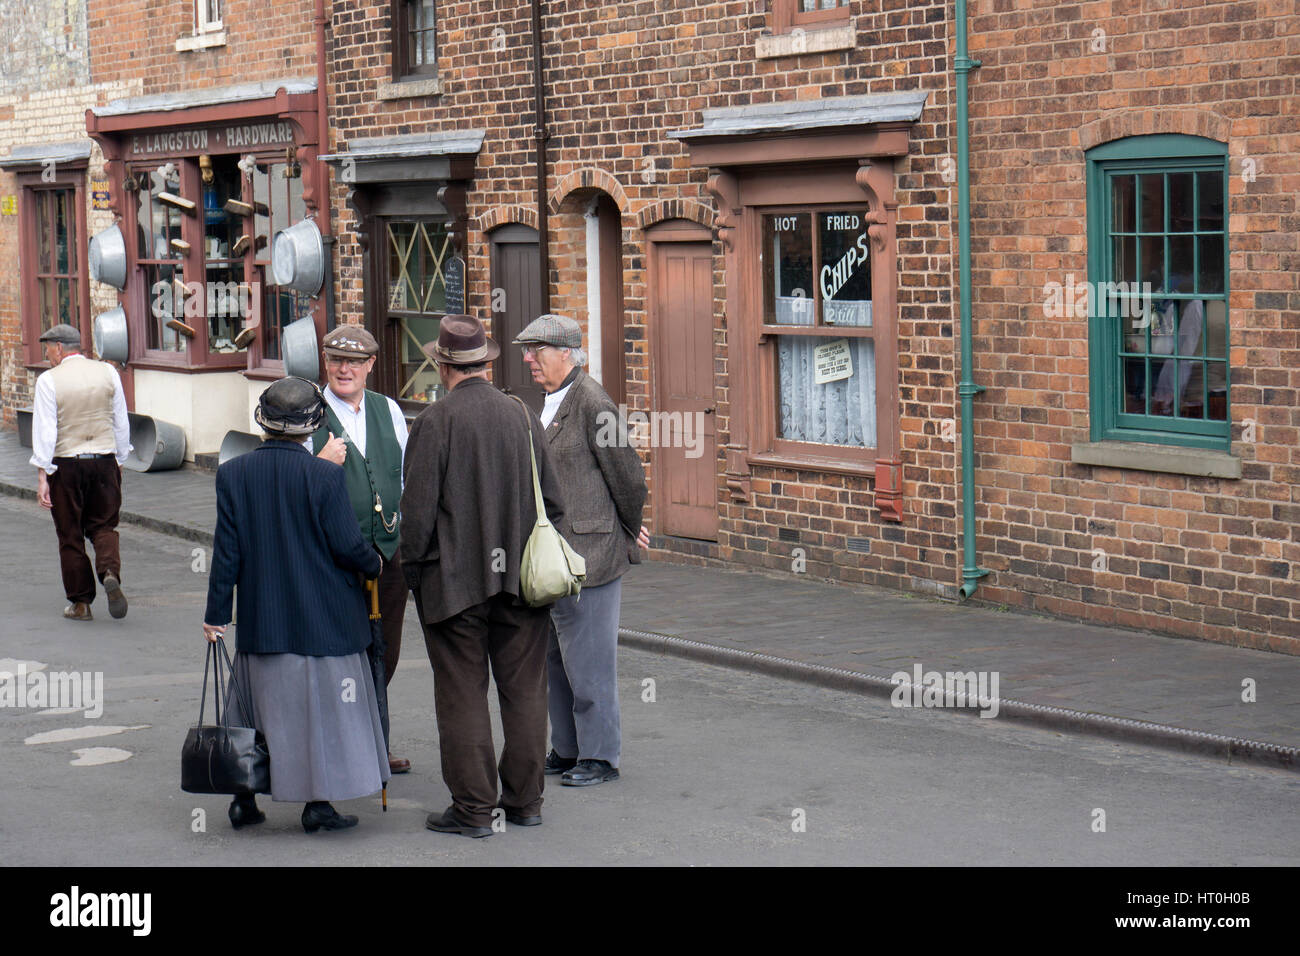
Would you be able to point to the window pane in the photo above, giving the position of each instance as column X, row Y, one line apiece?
column 1152, row 201
column 1182, row 269
column 1216, row 380
column 1181, row 210
column 845, row 273
column 841, row 408
column 1153, row 261
column 1209, row 192
column 1123, row 211
column 1210, row 277
column 49, row 313
column 164, row 304
column 1135, row 386
column 1216, row 329
column 1124, row 265
column 418, row 379
column 788, row 270
column 45, row 241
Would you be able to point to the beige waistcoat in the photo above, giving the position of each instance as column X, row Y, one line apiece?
column 83, row 389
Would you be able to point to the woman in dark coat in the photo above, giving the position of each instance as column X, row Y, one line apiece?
column 286, row 537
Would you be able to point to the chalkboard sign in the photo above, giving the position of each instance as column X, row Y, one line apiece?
column 453, row 274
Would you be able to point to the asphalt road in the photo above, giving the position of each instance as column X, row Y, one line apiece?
column 720, row 768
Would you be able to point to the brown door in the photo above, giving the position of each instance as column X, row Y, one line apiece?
column 682, row 427
column 515, row 301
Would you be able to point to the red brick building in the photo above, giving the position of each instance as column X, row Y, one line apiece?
column 753, row 210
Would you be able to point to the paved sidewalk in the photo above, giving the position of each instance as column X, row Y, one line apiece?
column 1117, row 683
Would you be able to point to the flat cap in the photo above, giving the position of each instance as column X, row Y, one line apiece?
column 62, row 333
column 557, row 330
column 349, row 340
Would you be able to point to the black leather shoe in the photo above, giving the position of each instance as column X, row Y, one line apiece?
column 316, row 816
column 446, row 822
column 588, row 773
column 516, row 818
column 244, row 813
column 557, row 764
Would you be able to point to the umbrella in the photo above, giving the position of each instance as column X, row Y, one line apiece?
column 377, row 671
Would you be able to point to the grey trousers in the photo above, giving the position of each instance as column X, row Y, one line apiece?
column 582, row 670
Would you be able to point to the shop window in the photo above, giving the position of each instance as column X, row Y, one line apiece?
column 160, row 254
column 414, row 39
column 788, row 15
column 1158, row 298
column 817, row 316
column 278, row 202
column 419, row 255
column 228, row 299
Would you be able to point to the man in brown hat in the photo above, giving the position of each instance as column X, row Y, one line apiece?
column 365, row 432
column 467, row 511
column 80, row 438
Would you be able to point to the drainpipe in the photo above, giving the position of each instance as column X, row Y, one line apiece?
column 323, row 203
column 967, row 389
column 540, row 135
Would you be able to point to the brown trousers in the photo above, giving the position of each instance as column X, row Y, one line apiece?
column 392, row 608
column 513, row 638
column 86, row 495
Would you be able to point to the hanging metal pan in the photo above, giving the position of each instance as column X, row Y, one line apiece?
column 300, row 350
column 108, row 257
column 110, row 338
column 298, row 258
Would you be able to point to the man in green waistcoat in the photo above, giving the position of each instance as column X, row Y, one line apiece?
column 365, row 432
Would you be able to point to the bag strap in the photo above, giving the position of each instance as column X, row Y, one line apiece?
column 542, row 519
column 232, row 684
column 203, row 698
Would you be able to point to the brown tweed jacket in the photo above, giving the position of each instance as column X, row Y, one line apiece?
column 602, row 480
column 467, row 509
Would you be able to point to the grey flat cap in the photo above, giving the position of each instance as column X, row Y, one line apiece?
column 62, row 333
column 557, row 330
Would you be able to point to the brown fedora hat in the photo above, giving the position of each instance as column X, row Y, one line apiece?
column 462, row 340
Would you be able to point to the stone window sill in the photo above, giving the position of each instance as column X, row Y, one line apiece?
column 405, row 89
column 201, row 41
column 798, row 41
column 1170, row 459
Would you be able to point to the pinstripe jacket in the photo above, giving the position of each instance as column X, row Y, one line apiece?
column 286, row 537
column 602, row 480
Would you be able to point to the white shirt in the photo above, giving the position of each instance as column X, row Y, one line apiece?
column 552, row 405
column 45, row 420
column 354, row 422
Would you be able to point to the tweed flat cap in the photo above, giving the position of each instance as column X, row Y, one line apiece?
column 62, row 333
column 349, row 340
column 557, row 330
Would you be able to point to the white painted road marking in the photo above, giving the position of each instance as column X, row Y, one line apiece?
column 94, row 756
column 77, row 733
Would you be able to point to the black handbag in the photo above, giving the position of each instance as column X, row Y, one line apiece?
column 224, row 759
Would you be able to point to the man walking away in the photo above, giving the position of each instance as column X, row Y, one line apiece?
column 80, row 438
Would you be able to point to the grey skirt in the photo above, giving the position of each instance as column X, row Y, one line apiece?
column 321, row 724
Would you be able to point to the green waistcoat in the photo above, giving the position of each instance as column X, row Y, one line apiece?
column 376, row 477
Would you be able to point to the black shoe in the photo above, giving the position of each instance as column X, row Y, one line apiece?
column 244, row 813
column 446, row 822
column 116, row 599
column 518, row 819
column 557, row 764
column 588, row 773
column 321, row 814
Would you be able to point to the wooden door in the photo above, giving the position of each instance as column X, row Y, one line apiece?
column 515, row 301
column 683, row 419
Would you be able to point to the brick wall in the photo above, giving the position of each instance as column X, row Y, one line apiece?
column 1200, row 557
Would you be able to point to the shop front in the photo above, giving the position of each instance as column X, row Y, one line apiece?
column 807, row 219
column 200, row 183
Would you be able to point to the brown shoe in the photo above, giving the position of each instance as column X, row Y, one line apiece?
column 116, row 599
column 398, row 764
column 80, row 611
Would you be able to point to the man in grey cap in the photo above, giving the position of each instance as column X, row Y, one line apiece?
column 80, row 438
column 365, row 432
column 604, row 493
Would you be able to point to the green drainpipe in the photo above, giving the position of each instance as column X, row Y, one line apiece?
column 967, row 389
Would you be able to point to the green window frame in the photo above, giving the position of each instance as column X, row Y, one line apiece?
column 1159, row 361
